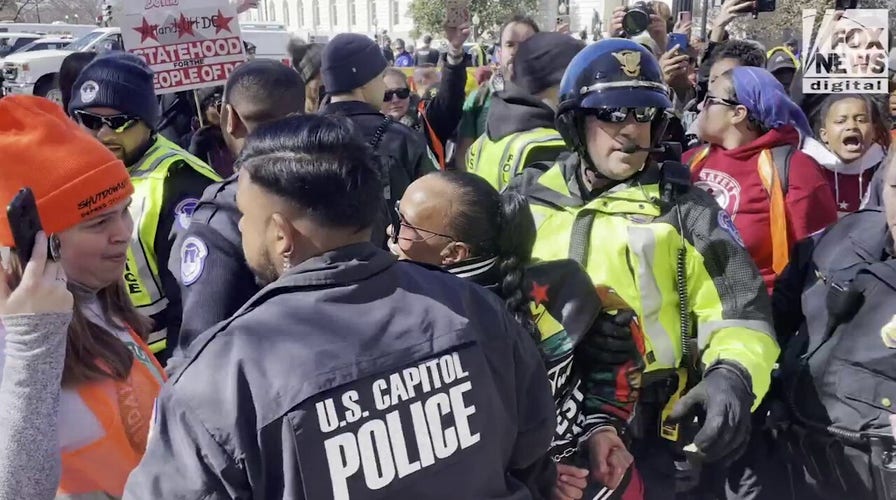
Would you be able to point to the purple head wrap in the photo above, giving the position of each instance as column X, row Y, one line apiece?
column 768, row 102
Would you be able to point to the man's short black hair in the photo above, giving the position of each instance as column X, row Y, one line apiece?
column 518, row 19
column 747, row 52
column 263, row 90
column 427, row 39
column 321, row 165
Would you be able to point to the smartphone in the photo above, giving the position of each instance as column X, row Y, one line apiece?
column 763, row 6
column 24, row 222
column 679, row 39
column 684, row 17
column 457, row 12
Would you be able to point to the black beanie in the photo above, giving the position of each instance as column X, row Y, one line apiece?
column 349, row 62
column 541, row 60
column 117, row 80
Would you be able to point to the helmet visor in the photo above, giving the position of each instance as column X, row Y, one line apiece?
column 629, row 95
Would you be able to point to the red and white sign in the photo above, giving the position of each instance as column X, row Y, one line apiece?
column 188, row 44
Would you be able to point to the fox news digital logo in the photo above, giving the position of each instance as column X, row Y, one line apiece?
column 849, row 54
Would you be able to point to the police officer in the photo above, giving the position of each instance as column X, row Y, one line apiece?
column 325, row 385
column 667, row 249
column 520, row 128
column 834, row 308
column 353, row 68
column 208, row 260
column 114, row 99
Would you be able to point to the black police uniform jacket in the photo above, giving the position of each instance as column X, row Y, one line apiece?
column 838, row 371
column 403, row 152
column 221, row 281
column 354, row 376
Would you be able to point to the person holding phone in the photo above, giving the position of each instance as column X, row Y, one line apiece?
column 78, row 380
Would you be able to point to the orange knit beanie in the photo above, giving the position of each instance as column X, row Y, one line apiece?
column 73, row 176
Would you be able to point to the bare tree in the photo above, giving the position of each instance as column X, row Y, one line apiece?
column 80, row 11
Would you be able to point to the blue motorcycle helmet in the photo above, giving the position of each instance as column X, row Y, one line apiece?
column 611, row 79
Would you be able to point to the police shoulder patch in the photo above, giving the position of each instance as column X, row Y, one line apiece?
column 192, row 259
column 183, row 212
column 728, row 226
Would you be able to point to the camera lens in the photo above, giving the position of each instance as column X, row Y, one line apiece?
column 635, row 21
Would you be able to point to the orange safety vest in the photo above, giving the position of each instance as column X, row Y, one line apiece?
column 124, row 409
column 777, row 208
column 437, row 148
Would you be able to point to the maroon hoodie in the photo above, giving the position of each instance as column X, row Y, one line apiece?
column 732, row 177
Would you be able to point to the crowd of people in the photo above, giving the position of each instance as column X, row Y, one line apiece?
column 624, row 269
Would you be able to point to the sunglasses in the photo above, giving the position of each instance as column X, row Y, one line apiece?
column 418, row 237
column 711, row 99
column 118, row 123
column 399, row 93
column 620, row 114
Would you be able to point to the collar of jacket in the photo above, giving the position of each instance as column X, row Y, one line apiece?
column 484, row 271
column 348, row 264
column 349, row 108
column 563, row 187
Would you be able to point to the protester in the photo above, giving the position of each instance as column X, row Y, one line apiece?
column 208, row 141
column 440, row 108
column 344, row 317
column 782, row 64
column 667, row 249
column 520, row 128
column 854, row 138
column 78, row 381
column 776, row 194
column 306, row 60
column 475, row 109
column 114, row 100
column 207, row 258
column 457, row 221
column 71, row 67
column 397, row 98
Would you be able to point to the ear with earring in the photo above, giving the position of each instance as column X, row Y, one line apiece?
column 286, row 262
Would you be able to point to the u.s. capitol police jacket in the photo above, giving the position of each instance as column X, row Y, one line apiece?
column 355, row 377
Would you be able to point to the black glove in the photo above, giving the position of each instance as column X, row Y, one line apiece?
column 610, row 342
column 726, row 396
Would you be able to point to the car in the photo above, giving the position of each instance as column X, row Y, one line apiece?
column 12, row 41
column 47, row 43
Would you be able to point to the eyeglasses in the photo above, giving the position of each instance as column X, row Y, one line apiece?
column 711, row 99
column 403, row 223
column 619, row 115
column 118, row 123
column 400, row 93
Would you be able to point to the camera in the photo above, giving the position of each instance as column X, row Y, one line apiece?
column 637, row 18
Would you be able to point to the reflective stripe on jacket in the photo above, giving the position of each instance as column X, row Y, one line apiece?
column 632, row 246
column 141, row 274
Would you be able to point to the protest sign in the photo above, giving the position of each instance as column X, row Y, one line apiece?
column 189, row 44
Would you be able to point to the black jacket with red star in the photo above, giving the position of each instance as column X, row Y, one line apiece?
column 590, row 341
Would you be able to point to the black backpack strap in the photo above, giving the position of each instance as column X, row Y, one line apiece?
column 781, row 156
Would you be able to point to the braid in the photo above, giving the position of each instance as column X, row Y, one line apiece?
column 515, row 297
